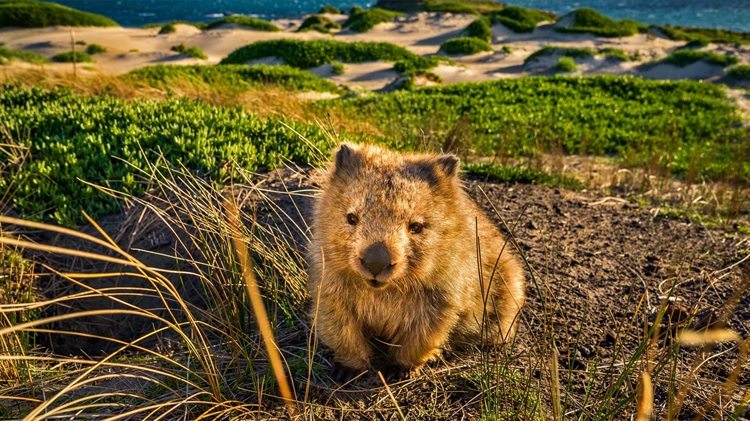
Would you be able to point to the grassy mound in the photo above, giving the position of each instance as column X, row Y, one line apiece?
column 741, row 71
column 564, row 51
column 465, row 45
column 588, row 20
column 330, row 10
column 73, row 138
column 445, row 6
column 318, row 23
column 7, row 56
column 95, row 49
column 717, row 36
column 683, row 125
column 481, row 28
column 365, row 20
column 684, row 58
column 614, row 52
column 566, row 64
column 80, row 57
column 452, row 7
column 521, row 19
column 192, row 52
column 37, row 14
column 240, row 76
column 253, row 23
column 308, row 54
column 169, row 28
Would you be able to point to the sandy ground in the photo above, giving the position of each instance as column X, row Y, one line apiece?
column 422, row 33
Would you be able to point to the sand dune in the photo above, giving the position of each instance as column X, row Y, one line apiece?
column 422, row 33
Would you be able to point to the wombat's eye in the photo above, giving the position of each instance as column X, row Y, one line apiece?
column 352, row 219
column 415, row 227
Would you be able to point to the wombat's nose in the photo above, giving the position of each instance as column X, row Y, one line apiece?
column 376, row 258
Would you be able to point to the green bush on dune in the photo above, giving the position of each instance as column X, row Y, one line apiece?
column 521, row 19
column 367, row 19
column 614, row 52
column 564, row 51
column 331, row 10
column 684, row 58
column 586, row 20
column 7, row 56
column 465, row 45
column 566, row 64
column 741, row 71
column 192, row 52
column 717, row 36
column 95, row 49
column 80, row 57
column 37, row 14
column 308, row 54
column 248, row 22
column 452, row 7
column 318, row 23
column 240, row 76
column 481, row 28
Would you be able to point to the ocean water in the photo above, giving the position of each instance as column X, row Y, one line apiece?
column 724, row 14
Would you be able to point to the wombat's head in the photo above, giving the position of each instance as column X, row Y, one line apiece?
column 382, row 215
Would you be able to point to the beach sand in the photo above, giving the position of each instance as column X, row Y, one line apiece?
column 421, row 33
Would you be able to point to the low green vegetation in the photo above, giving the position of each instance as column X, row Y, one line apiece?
column 172, row 25
column 550, row 50
column 38, row 14
column 481, row 28
column 452, row 7
column 684, row 58
column 523, row 174
column 566, row 64
column 192, row 52
column 8, row 56
column 318, row 23
column 237, row 76
column 682, row 126
column 67, row 57
column 309, row 54
column 521, row 19
column 586, row 20
column 169, row 28
column 354, row 10
column 95, row 49
column 337, row 68
column 614, row 52
column 705, row 35
column 367, row 19
column 248, row 22
column 465, row 45
column 330, row 10
column 697, row 43
column 741, row 71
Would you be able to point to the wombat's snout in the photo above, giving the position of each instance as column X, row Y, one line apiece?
column 376, row 258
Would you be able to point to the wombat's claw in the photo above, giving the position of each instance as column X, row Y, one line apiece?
column 342, row 374
column 394, row 372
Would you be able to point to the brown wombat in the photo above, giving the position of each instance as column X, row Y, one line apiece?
column 394, row 257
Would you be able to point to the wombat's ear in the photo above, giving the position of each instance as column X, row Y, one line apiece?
column 346, row 159
column 448, row 164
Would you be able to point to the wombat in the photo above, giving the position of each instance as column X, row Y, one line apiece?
column 395, row 257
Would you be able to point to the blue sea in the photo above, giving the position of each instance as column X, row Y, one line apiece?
column 724, row 14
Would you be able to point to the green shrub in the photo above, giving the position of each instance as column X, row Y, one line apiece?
column 7, row 56
column 67, row 57
column 465, row 45
column 481, row 28
column 588, row 20
column 614, row 52
column 169, row 28
column 566, row 64
column 717, row 36
column 171, row 25
column 239, row 76
column 254, row 23
column 308, row 54
column 330, row 10
column 452, row 7
column 337, row 68
column 366, row 20
column 192, row 52
column 95, row 49
column 80, row 42
column 420, row 65
column 683, row 58
column 564, row 51
column 741, row 71
column 355, row 11
column 318, row 23
column 33, row 14
column 698, row 42
column 521, row 19
column 507, row 49
column 73, row 138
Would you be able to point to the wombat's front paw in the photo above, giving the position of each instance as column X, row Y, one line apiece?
column 342, row 374
column 397, row 372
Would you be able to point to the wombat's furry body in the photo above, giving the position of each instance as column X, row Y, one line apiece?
column 394, row 257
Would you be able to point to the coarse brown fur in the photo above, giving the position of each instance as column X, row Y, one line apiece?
column 432, row 293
